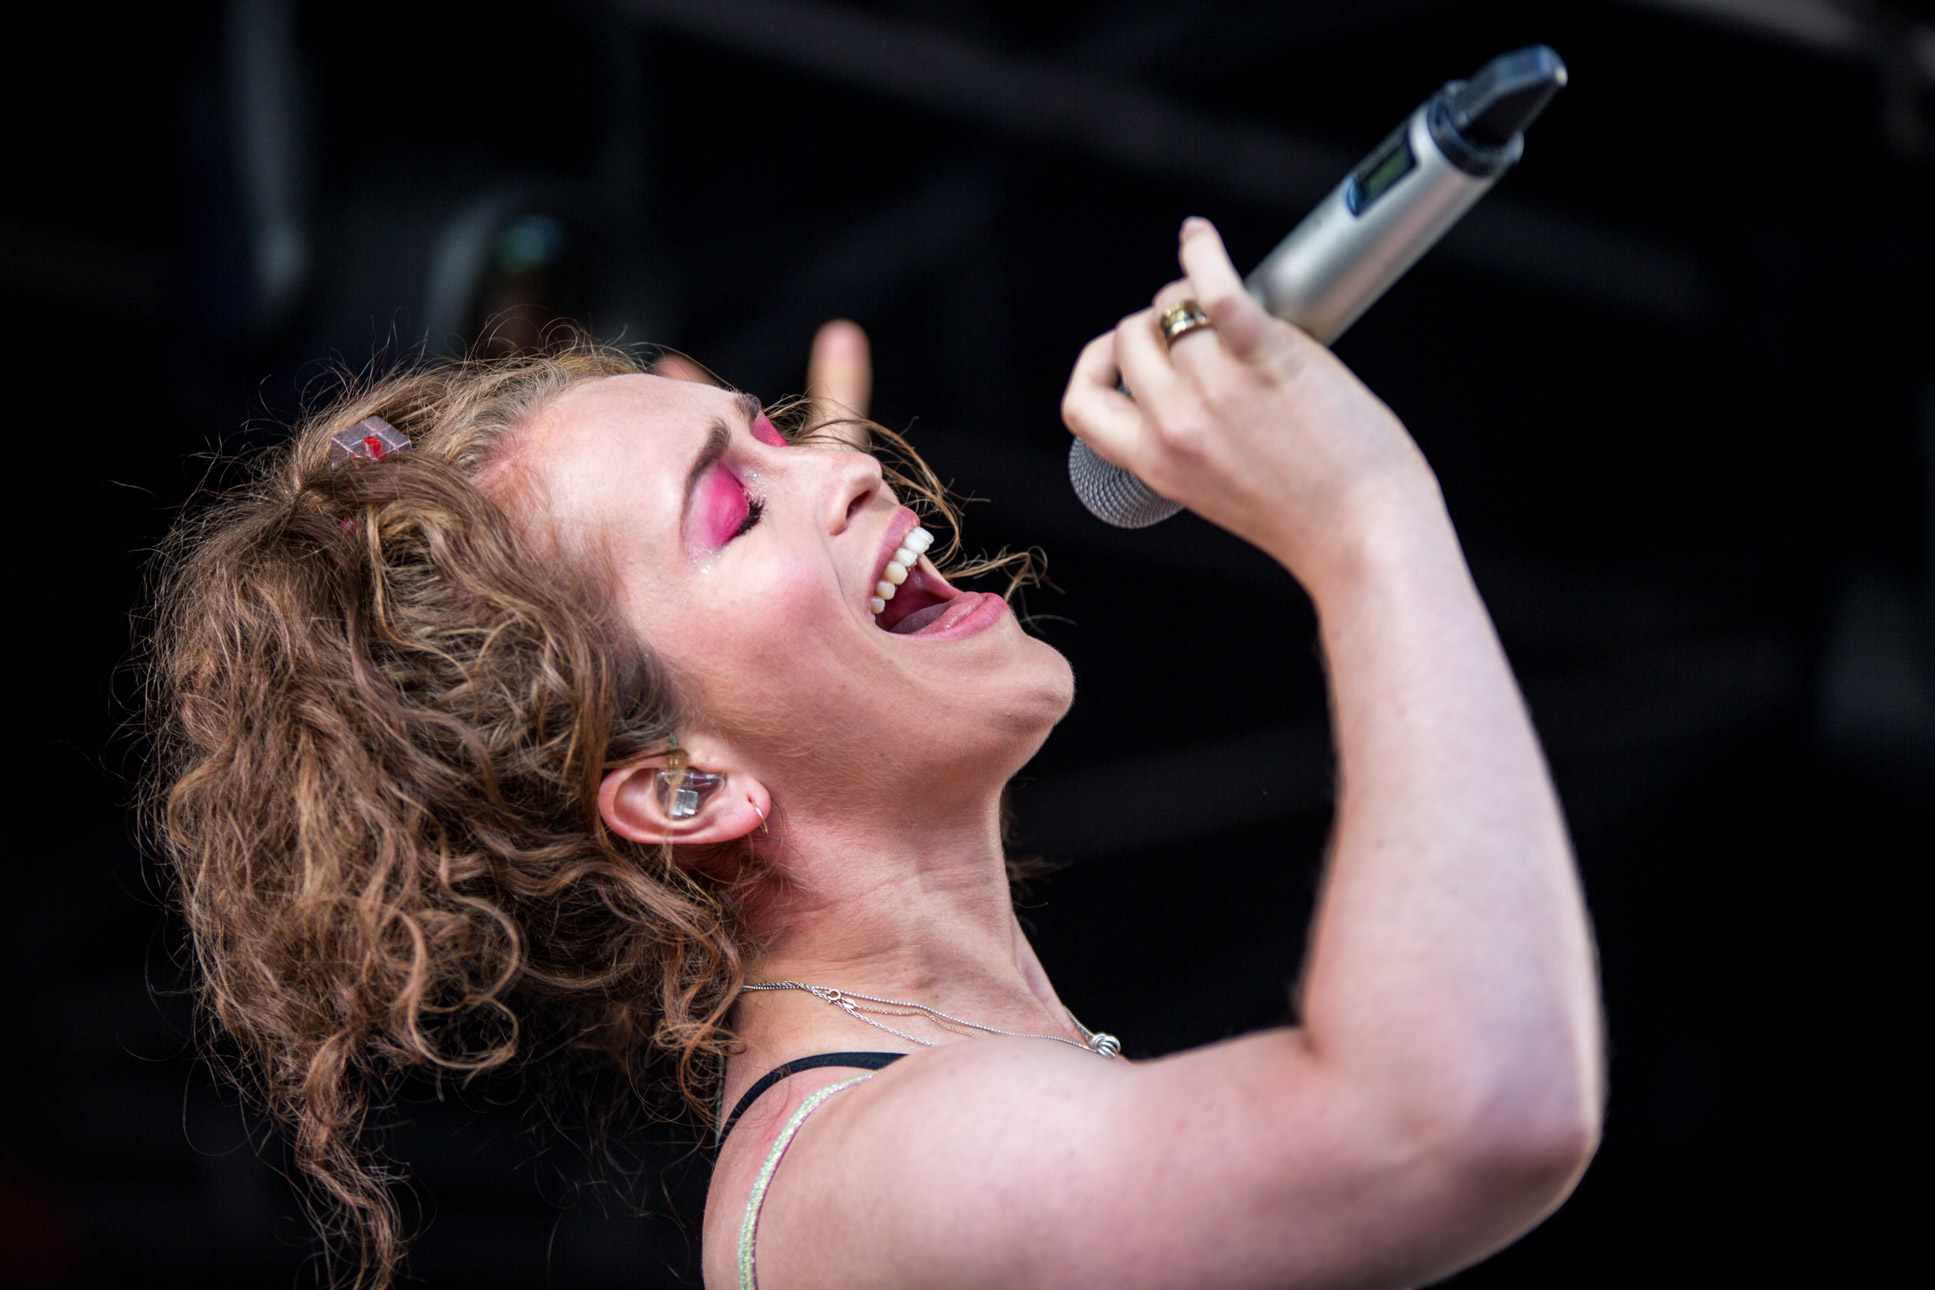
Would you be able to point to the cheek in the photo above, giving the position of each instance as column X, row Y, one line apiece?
column 759, row 611
column 791, row 608
column 776, row 644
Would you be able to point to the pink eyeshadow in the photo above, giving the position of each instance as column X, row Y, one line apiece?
column 767, row 433
column 718, row 507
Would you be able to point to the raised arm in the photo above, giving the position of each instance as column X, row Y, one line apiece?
column 1451, row 976
column 1452, row 964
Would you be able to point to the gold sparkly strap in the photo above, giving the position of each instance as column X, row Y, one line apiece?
column 748, row 1278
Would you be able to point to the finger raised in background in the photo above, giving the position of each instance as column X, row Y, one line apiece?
column 839, row 381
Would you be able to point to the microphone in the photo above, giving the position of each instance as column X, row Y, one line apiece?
column 1373, row 227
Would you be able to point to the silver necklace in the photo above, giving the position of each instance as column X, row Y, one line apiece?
column 1094, row 1041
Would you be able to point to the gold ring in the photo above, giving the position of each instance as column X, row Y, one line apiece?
column 1180, row 318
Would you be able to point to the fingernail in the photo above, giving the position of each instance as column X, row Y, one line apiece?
column 1193, row 224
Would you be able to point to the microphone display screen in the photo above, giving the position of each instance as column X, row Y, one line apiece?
column 1392, row 161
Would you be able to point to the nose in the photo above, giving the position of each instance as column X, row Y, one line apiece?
column 856, row 479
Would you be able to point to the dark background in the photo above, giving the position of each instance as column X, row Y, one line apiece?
column 1675, row 376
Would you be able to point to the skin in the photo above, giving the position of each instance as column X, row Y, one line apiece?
column 1444, row 1091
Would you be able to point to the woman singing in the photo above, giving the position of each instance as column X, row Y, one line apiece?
column 602, row 709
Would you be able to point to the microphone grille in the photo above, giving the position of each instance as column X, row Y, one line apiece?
column 1112, row 494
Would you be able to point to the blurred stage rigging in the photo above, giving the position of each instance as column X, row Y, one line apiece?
column 1702, row 513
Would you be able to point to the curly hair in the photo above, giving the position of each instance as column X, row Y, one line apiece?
column 382, row 710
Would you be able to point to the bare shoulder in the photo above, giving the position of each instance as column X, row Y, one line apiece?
column 1014, row 1163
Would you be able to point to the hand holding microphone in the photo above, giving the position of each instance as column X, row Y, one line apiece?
column 1374, row 226
column 1244, row 419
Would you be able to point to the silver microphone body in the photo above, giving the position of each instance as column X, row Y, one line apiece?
column 1368, row 232
column 1337, row 263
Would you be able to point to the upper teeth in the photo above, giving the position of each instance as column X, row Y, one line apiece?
column 911, row 548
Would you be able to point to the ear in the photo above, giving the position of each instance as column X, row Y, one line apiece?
column 628, row 799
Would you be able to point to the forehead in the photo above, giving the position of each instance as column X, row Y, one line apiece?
column 601, row 449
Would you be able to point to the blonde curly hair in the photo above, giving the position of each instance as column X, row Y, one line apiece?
column 382, row 711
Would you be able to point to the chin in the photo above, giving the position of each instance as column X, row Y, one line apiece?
column 1043, row 692
column 985, row 722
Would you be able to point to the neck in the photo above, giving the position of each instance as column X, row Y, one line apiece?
column 904, row 904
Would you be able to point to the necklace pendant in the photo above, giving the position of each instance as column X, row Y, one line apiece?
column 1106, row 1045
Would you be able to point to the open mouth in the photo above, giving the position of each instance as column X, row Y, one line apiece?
column 909, row 597
column 920, row 604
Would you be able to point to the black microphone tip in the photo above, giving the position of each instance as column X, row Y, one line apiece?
column 1507, row 94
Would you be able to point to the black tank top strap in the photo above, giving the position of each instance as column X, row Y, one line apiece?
column 860, row 1061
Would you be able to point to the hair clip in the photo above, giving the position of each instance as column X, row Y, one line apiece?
column 682, row 790
column 371, row 439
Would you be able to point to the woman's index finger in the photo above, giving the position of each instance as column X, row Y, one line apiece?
column 1219, row 287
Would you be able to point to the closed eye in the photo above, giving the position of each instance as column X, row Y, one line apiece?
column 755, row 507
column 722, row 509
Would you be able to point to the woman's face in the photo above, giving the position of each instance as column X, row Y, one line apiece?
column 748, row 565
